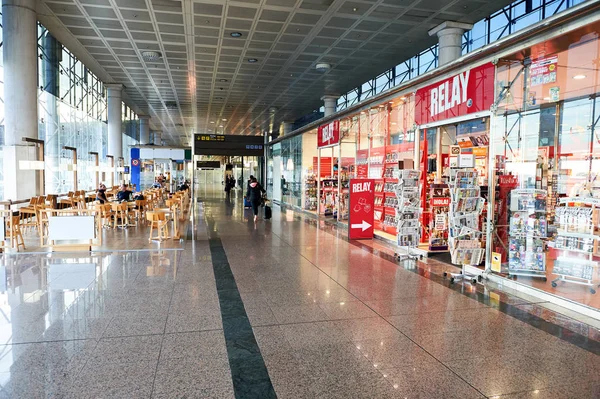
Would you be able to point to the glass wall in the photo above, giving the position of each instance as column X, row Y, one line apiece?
column 72, row 113
column 1, row 111
column 546, row 157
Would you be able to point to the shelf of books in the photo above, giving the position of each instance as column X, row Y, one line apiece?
column 527, row 233
column 578, row 241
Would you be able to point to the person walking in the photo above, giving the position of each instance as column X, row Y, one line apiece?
column 228, row 185
column 254, row 194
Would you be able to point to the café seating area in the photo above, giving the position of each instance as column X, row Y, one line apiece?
column 157, row 215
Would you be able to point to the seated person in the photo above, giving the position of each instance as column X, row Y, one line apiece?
column 124, row 194
column 184, row 186
column 101, row 194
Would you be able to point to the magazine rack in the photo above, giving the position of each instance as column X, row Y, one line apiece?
column 465, row 242
column 408, row 212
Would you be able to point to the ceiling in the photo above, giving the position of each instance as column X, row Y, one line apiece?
column 204, row 75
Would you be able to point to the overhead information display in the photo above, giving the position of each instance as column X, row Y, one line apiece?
column 215, row 144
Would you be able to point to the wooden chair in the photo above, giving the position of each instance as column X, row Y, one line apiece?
column 158, row 220
column 105, row 214
column 14, row 232
column 121, row 212
column 141, row 206
column 29, row 213
column 43, row 222
column 67, row 202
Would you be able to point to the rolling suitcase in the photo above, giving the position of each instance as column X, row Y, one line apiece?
column 267, row 212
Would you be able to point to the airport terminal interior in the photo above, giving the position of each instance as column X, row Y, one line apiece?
column 300, row 199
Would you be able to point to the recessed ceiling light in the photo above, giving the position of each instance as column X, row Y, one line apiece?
column 151, row 55
column 579, row 77
column 355, row 9
column 220, row 125
column 222, row 80
column 224, row 120
column 252, row 60
column 235, row 34
column 212, row 122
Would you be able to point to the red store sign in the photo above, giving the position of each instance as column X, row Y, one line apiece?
column 465, row 93
column 362, row 213
column 329, row 134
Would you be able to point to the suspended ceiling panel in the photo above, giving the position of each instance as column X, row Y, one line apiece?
column 204, row 81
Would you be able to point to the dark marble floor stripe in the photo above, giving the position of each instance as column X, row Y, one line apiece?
column 248, row 370
column 479, row 294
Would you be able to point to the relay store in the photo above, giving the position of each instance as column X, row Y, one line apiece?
column 523, row 121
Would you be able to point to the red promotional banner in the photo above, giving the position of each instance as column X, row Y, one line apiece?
column 362, row 201
column 329, row 134
column 465, row 93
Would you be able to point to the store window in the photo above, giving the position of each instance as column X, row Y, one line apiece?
column 546, row 156
column 291, row 176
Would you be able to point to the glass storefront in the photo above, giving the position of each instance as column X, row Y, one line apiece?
column 546, row 159
column 534, row 162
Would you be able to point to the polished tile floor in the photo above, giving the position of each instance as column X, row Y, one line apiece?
column 281, row 308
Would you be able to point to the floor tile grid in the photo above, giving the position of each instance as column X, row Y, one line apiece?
column 588, row 342
column 382, row 372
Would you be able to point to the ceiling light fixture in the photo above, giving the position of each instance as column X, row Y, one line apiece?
column 222, row 80
column 235, row 34
column 579, row 77
column 252, row 60
column 151, row 55
column 323, row 67
column 212, row 122
column 224, row 120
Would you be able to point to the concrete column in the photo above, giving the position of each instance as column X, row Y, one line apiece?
column 144, row 129
column 19, row 22
column 157, row 138
column 330, row 103
column 115, row 120
column 449, row 36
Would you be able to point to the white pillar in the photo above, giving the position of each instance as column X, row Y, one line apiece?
column 144, row 129
column 449, row 36
column 287, row 128
column 19, row 22
column 330, row 103
column 115, row 120
column 157, row 138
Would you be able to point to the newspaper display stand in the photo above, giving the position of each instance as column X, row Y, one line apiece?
column 408, row 212
column 578, row 239
column 465, row 242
